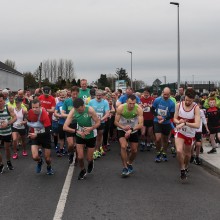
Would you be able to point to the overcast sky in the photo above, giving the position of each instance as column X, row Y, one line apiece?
column 96, row 35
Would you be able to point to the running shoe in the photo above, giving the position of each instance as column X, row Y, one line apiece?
column 212, row 151
column 2, row 168
column 71, row 155
column 62, row 152
column 106, row 148
column 49, row 170
column 183, row 175
column 15, row 156
column 125, row 172
column 173, row 150
column 90, row 166
column 98, row 154
column 164, row 157
column 149, row 147
column 39, row 166
column 197, row 161
column 142, row 147
column 130, row 168
column 158, row 158
column 82, row 174
column 9, row 165
column 102, row 151
column 24, row 153
column 192, row 159
column 95, row 155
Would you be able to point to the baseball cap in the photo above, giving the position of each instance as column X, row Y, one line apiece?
column 46, row 89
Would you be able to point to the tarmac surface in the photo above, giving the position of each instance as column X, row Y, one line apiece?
column 154, row 191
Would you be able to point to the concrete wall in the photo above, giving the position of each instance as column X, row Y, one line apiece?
column 11, row 80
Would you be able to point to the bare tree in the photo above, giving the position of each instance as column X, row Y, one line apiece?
column 53, row 71
column 10, row 63
column 61, row 68
column 46, row 69
column 69, row 69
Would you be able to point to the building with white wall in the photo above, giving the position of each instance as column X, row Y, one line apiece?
column 10, row 78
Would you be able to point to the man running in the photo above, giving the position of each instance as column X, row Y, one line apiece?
column 187, row 120
column 70, row 136
column 163, row 109
column 101, row 108
column 84, row 92
column 128, row 119
column 39, row 123
column 87, row 123
column 7, row 118
column 147, row 134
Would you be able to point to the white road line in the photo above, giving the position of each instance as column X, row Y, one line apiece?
column 63, row 196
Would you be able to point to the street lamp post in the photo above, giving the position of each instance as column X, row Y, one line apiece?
column 40, row 71
column 131, row 68
column 178, row 44
column 117, row 75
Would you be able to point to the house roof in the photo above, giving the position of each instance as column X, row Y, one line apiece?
column 9, row 69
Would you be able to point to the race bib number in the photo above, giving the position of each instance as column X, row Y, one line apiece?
column 146, row 109
column 39, row 130
column 100, row 115
column 162, row 112
column 80, row 128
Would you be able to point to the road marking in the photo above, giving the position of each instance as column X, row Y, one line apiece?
column 63, row 196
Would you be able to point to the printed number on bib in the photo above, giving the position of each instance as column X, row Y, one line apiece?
column 162, row 112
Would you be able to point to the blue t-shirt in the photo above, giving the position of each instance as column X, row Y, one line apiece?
column 164, row 108
column 100, row 107
column 124, row 98
column 59, row 107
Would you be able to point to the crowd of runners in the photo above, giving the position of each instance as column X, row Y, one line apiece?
column 78, row 120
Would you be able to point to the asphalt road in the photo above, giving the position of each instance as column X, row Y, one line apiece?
column 153, row 191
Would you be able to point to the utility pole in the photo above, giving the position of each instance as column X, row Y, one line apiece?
column 40, row 71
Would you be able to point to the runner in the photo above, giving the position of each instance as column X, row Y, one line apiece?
column 122, row 99
column 84, row 92
column 7, row 118
column 187, row 120
column 47, row 101
column 70, row 136
column 147, row 134
column 101, row 108
column 60, row 150
column 128, row 119
column 87, row 123
column 213, row 118
column 18, row 128
column 163, row 109
column 39, row 123
column 198, row 135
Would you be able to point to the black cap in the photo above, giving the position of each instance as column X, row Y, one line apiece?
column 46, row 89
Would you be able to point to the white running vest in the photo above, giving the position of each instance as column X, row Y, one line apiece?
column 189, row 116
column 20, row 117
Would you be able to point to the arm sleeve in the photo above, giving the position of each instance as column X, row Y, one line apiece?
column 170, row 117
column 153, row 111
